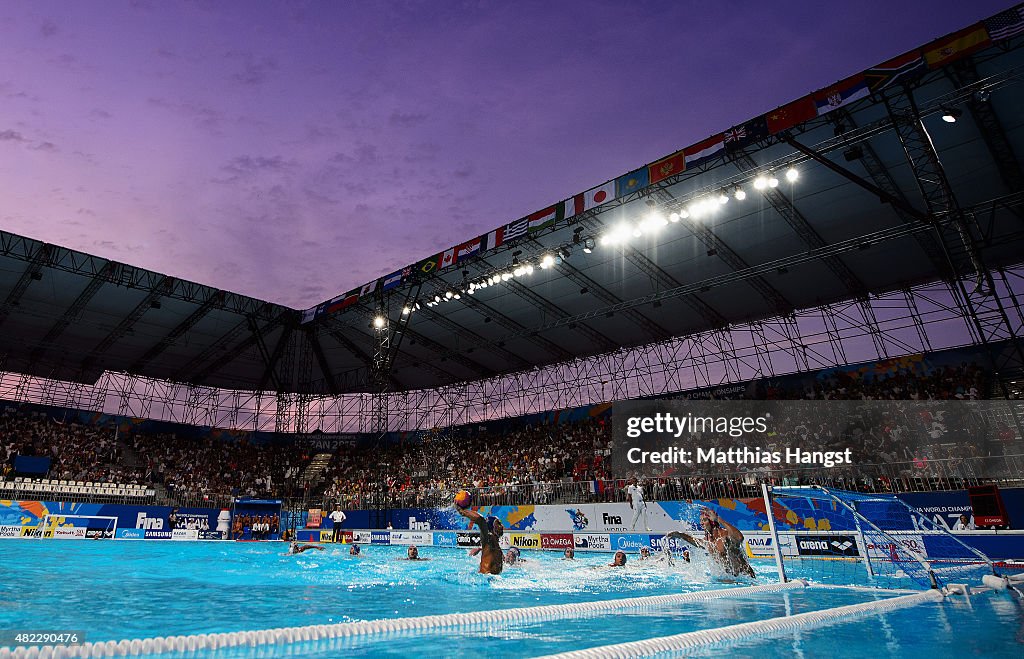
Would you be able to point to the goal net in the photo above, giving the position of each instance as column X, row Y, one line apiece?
column 99, row 527
column 840, row 537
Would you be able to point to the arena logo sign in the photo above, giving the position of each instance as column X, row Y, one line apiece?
column 468, row 539
column 827, row 545
column 556, row 541
column 593, row 541
column 97, row 533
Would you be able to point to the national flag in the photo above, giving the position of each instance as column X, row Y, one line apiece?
column 544, row 218
column 468, row 249
column 447, row 258
column 406, row 272
column 428, row 266
column 632, row 182
column 791, row 114
column 747, row 133
column 308, row 315
column 368, row 288
column 840, row 94
column 963, row 43
column 1005, row 24
column 904, row 68
column 602, row 194
column 392, row 280
column 670, row 166
column 343, row 301
column 702, row 151
column 493, row 239
column 515, row 229
column 572, row 206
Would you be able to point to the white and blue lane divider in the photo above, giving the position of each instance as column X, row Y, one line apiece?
column 681, row 643
column 270, row 637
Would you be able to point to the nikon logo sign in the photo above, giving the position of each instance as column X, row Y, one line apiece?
column 525, row 540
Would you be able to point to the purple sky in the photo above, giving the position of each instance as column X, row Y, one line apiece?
column 293, row 151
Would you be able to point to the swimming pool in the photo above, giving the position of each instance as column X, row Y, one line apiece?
column 125, row 590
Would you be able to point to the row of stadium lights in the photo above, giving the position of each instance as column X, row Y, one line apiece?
column 704, row 206
column 654, row 221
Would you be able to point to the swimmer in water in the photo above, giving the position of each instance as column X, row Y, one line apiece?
column 354, row 550
column 413, row 554
column 512, row 556
column 619, row 560
column 296, row 548
column 722, row 541
column 569, row 555
column 491, row 560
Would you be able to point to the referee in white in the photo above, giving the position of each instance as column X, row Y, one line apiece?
column 635, row 496
column 337, row 517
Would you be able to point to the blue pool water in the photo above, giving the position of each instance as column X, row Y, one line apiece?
column 123, row 590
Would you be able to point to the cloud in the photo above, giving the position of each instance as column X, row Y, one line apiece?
column 246, row 165
column 406, row 120
column 11, row 136
column 255, row 71
column 48, row 28
column 45, row 146
column 97, row 113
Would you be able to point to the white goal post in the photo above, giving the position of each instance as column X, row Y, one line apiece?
column 55, row 525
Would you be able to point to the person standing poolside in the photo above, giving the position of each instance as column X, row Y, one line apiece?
column 337, row 517
column 635, row 496
column 491, row 559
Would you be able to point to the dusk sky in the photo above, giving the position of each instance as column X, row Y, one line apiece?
column 292, row 151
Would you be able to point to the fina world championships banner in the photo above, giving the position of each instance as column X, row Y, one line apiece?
column 91, row 520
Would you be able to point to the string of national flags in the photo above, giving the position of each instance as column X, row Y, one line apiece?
column 905, row 68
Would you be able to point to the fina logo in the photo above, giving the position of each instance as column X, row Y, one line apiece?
column 151, row 523
column 418, row 526
column 608, row 520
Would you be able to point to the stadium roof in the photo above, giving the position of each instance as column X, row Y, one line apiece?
column 855, row 222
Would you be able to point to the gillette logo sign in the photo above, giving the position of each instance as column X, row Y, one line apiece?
column 151, row 523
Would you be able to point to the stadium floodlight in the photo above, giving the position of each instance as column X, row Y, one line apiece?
column 506, row 276
column 950, row 115
column 456, row 296
column 608, row 239
column 547, row 261
column 761, row 182
column 379, row 322
column 416, row 306
column 673, row 217
column 739, row 193
column 683, row 213
column 448, row 295
column 406, row 311
column 792, row 174
column 637, row 232
column 437, row 299
column 723, row 198
column 470, row 291
column 773, row 182
column 588, row 245
column 529, row 269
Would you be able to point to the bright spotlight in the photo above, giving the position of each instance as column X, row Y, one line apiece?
column 723, row 198
column 637, row 232
column 950, row 115
column 470, row 291
column 506, row 276
column 792, row 174
column 436, row 299
column 760, row 183
column 519, row 272
column 588, row 246
column 456, row 296
column 739, row 193
column 448, row 295
column 683, row 213
column 673, row 217
column 547, row 261
column 406, row 311
column 529, row 269
column 379, row 322
column 773, row 182
column 607, row 240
